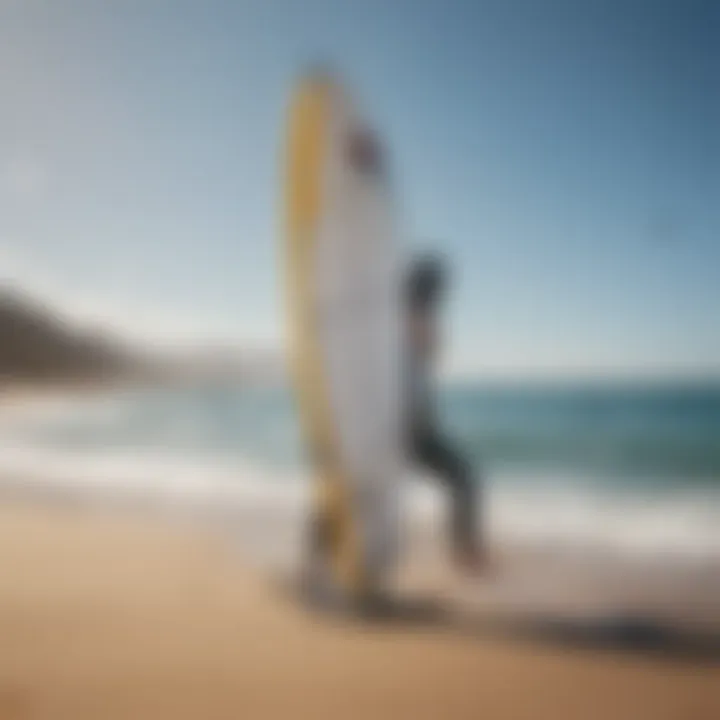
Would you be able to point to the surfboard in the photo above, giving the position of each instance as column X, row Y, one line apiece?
column 342, row 290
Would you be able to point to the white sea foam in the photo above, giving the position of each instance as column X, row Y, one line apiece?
column 560, row 517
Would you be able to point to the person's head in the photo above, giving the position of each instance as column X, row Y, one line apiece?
column 425, row 283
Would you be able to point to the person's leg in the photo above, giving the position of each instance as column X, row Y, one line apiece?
column 439, row 456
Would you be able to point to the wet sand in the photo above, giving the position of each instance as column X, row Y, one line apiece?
column 114, row 615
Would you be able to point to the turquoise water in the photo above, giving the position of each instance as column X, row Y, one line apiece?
column 637, row 466
column 657, row 436
column 653, row 435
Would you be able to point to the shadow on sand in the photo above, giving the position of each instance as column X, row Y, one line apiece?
column 634, row 634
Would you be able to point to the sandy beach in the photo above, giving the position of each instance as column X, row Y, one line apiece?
column 112, row 615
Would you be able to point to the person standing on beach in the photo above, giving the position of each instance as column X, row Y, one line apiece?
column 427, row 444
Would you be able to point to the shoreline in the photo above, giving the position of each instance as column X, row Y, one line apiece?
column 546, row 582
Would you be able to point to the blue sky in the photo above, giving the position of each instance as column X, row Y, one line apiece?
column 564, row 154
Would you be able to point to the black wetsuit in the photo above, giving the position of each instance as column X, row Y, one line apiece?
column 432, row 450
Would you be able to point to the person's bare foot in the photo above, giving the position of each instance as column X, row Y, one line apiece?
column 475, row 562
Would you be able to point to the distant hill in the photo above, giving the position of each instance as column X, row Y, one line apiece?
column 36, row 344
column 39, row 345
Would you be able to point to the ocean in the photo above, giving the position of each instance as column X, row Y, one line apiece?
column 631, row 469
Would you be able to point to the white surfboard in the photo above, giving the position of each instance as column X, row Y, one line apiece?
column 344, row 326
